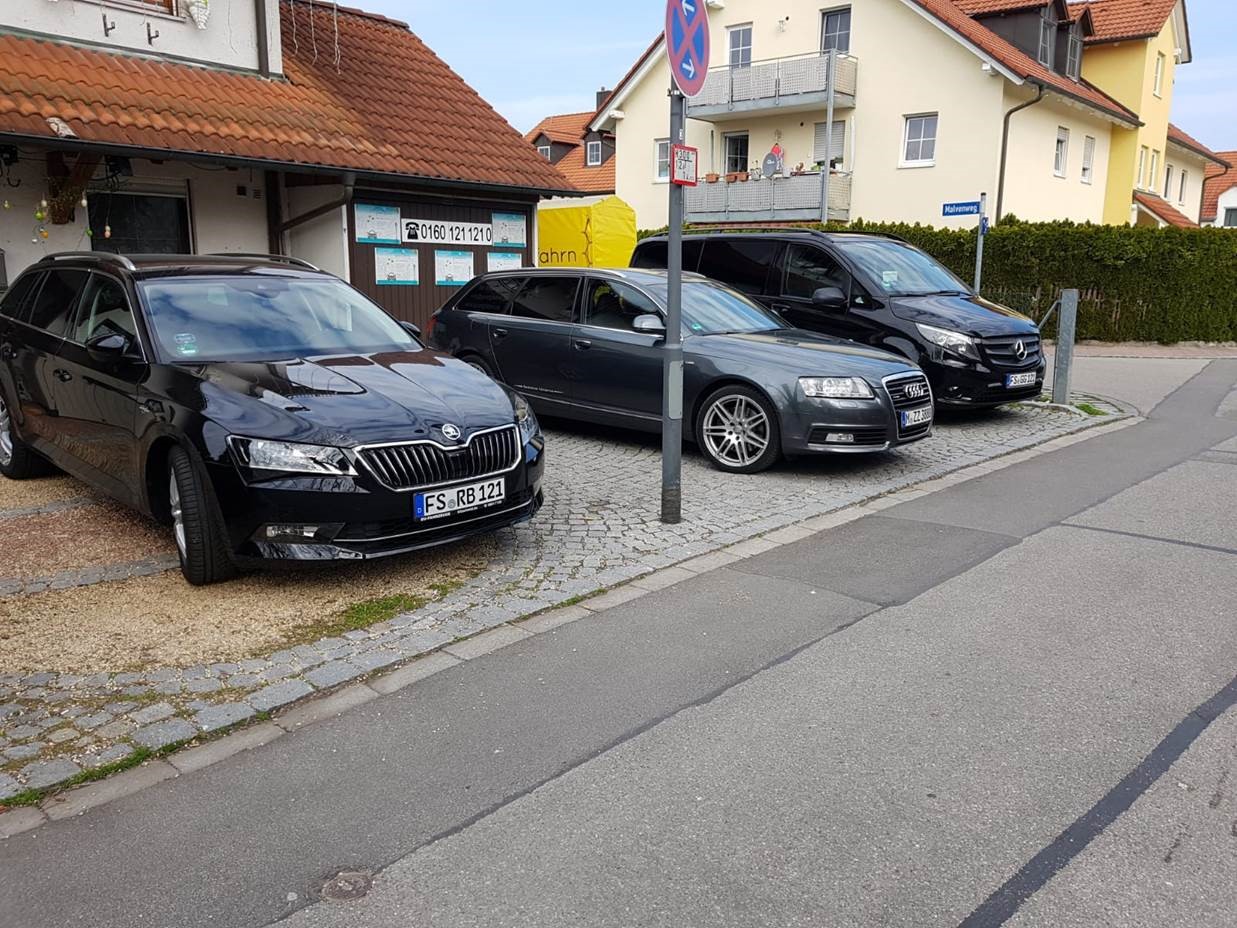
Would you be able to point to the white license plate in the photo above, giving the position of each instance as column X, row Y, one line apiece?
column 439, row 503
column 914, row 417
column 1020, row 380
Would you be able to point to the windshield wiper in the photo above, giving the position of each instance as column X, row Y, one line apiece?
column 931, row 293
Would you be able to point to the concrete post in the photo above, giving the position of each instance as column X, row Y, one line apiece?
column 1067, row 326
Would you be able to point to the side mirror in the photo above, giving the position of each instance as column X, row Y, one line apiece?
column 649, row 324
column 412, row 329
column 109, row 346
column 829, row 298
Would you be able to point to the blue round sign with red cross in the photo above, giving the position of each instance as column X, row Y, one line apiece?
column 687, row 44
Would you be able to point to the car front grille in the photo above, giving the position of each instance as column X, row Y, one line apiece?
column 909, row 392
column 1002, row 350
column 423, row 464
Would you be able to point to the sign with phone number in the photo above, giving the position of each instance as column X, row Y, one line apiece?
column 429, row 232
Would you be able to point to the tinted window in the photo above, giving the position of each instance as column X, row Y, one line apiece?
column 550, row 298
column 104, row 311
column 616, row 306
column 809, row 268
column 196, row 320
column 655, row 255
column 711, row 309
column 742, row 264
column 54, row 305
column 490, row 296
column 899, row 269
column 18, row 294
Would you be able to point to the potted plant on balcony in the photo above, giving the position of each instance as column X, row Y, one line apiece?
column 712, row 177
column 732, row 177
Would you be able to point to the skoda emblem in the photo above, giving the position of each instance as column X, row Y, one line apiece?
column 451, row 432
column 1020, row 350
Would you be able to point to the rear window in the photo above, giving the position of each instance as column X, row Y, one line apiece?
column 490, row 296
column 550, row 298
column 54, row 305
column 655, row 255
column 742, row 263
column 15, row 300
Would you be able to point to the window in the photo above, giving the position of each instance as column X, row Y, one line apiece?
column 809, row 268
column 1088, row 160
column 662, row 168
column 743, row 262
column 14, row 302
column 612, row 305
column 1141, row 179
column 1047, row 40
column 54, row 305
column 545, row 151
column 919, row 147
column 835, row 33
column 594, row 154
column 550, row 298
column 737, row 153
column 141, row 223
column 491, row 296
column 1154, row 176
column 897, row 267
column 1230, row 219
column 1168, row 182
column 1185, row 177
column 837, row 148
column 104, row 311
column 1073, row 56
column 1161, row 63
column 1061, row 163
column 741, row 46
column 655, row 254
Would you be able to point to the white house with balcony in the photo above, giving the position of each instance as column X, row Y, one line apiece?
column 880, row 109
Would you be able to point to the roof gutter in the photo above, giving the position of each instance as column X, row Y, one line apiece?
column 1000, row 186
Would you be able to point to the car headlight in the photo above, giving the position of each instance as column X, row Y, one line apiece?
column 836, row 388
column 956, row 342
column 525, row 418
column 260, row 454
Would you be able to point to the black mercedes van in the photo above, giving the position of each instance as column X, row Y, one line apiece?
column 879, row 291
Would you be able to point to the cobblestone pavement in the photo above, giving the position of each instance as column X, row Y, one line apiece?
column 599, row 528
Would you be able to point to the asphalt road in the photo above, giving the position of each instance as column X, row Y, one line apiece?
column 1003, row 703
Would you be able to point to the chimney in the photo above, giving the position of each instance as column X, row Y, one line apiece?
column 602, row 96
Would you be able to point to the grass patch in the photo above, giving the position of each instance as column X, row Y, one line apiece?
column 1091, row 410
column 33, row 796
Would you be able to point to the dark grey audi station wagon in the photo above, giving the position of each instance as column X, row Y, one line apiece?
column 587, row 345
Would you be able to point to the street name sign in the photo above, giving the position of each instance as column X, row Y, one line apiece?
column 687, row 44
column 970, row 208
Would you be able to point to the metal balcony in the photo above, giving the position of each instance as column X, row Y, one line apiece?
column 771, row 199
column 786, row 85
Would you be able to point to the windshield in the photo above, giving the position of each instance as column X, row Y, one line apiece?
column 898, row 268
column 253, row 318
column 710, row 309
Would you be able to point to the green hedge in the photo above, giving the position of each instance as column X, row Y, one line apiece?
column 1153, row 285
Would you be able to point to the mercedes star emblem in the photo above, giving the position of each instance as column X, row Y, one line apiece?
column 1020, row 350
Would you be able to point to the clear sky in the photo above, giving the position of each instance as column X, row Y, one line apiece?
column 532, row 59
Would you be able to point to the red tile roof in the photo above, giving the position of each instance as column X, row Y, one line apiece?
column 389, row 107
column 981, row 7
column 569, row 129
column 1019, row 62
column 1219, row 181
column 1180, row 137
column 1164, row 210
column 1118, row 20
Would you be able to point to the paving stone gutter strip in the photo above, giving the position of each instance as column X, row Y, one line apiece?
column 58, row 729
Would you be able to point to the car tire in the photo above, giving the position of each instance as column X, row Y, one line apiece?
column 197, row 526
column 737, row 430
column 476, row 363
column 17, row 459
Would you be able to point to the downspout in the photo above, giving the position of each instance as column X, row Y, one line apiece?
column 263, row 37
column 1000, row 187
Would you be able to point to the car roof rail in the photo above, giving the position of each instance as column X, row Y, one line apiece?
column 742, row 230
column 276, row 259
column 102, row 257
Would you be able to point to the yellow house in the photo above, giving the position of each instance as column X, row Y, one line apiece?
column 888, row 109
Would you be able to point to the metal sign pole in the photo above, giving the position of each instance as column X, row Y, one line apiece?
column 979, row 247
column 672, row 360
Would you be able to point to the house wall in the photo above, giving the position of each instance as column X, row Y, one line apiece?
column 1228, row 200
column 229, row 39
column 323, row 241
column 219, row 219
column 1032, row 190
column 1192, row 203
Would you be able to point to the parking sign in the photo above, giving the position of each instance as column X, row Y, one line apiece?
column 683, row 161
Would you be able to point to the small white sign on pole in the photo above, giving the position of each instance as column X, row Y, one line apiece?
column 683, row 163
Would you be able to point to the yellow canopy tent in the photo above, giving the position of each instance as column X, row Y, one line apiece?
column 591, row 232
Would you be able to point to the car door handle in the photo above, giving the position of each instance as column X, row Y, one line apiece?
column 7, row 353
column 62, row 375
column 582, row 344
column 781, row 307
column 501, row 333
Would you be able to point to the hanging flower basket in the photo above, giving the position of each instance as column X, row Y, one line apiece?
column 199, row 12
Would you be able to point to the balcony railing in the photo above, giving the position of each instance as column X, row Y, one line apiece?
column 771, row 199
column 784, row 83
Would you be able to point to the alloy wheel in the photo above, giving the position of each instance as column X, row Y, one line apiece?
column 178, row 515
column 6, row 434
column 735, row 430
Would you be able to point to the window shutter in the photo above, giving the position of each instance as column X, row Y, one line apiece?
column 839, row 142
